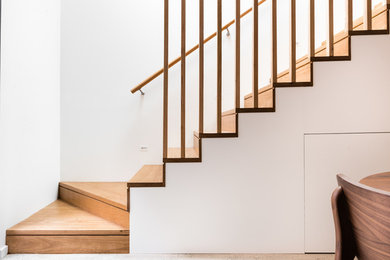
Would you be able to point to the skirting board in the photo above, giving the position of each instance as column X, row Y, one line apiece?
column 3, row 252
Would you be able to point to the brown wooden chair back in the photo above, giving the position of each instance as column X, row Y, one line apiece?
column 362, row 221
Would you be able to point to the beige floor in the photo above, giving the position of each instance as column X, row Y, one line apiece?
column 174, row 257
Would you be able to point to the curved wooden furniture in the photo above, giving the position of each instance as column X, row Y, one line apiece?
column 378, row 181
column 362, row 221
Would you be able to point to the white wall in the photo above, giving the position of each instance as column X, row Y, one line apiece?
column 29, row 108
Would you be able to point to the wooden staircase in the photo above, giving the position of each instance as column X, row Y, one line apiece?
column 88, row 217
column 91, row 217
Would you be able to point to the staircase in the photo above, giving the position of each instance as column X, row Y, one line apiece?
column 91, row 217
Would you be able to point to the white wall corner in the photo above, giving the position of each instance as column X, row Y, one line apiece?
column 3, row 252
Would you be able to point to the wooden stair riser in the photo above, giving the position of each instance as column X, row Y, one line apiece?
column 96, row 207
column 229, row 121
column 196, row 143
column 265, row 99
column 68, row 244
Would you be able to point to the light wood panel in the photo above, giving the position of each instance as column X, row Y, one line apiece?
column 265, row 98
column 68, row 244
column 96, row 207
column 112, row 193
column 148, row 176
column 303, row 73
column 196, row 141
column 174, row 153
column 229, row 121
column 183, row 80
column 61, row 218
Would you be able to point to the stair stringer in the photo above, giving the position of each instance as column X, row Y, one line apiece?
column 247, row 195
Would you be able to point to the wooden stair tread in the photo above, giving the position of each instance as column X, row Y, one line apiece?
column 175, row 152
column 214, row 133
column 61, row 218
column 148, row 175
column 113, row 193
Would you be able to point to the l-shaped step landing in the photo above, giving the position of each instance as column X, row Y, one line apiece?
column 63, row 228
column 88, row 217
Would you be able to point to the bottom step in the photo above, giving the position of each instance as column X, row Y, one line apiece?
column 62, row 228
column 68, row 244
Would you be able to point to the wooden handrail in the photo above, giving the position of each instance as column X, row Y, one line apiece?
column 175, row 61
